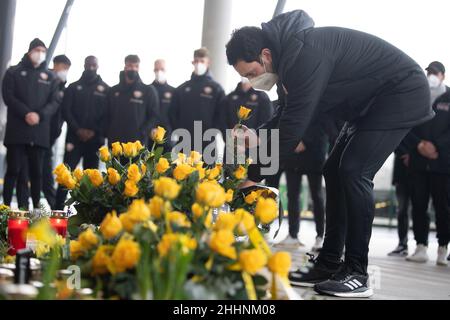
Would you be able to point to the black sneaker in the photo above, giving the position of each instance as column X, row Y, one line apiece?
column 308, row 276
column 344, row 284
column 400, row 251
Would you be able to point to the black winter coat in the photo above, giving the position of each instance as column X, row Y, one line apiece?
column 165, row 94
column 132, row 112
column 27, row 89
column 84, row 107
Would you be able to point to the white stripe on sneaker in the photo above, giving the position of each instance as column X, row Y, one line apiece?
column 357, row 282
column 354, row 284
column 349, row 285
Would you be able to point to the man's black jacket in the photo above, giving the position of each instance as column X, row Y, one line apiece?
column 347, row 74
column 27, row 89
column 132, row 111
column 84, row 107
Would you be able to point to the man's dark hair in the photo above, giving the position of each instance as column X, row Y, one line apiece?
column 245, row 44
column 203, row 52
column 132, row 58
column 62, row 59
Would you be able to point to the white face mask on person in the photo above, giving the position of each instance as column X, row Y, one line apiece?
column 37, row 57
column 62, row 75
column 264, row 81
column 200, row 68
column 434, row 81
column 160, row 76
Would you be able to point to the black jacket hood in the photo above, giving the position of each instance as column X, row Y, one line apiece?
column 284, row 36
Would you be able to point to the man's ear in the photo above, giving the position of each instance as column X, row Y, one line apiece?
column 267, row 54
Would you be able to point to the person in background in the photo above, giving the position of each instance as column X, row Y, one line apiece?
column 83, row 109
column 401, row 179
column 30, row 93
column 198, row 99
column 165, row 93
column 430, row 170
column 132, row 107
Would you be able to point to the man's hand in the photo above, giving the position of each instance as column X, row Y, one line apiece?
column 405, row 159
column 85, row 134
column 243, row 132
column 32, row 118
column 300, row 147
column 427, row 149
column 246, row 184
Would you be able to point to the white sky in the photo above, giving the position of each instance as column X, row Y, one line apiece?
column 172, row 29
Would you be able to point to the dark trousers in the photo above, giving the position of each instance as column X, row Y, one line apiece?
column 15, row 156
column 293, row 180
column 436, row 185
column 350, row 207
column 403, row 193
column 85, row 151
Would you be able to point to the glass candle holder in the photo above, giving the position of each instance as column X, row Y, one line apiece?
column 17, row 231
column 58, row 221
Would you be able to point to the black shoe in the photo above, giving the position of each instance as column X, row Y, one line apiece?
column 400, row 251
column 345, row 284
column 309, row 276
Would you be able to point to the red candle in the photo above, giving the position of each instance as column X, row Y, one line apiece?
column 17, row 233
column 58, row 221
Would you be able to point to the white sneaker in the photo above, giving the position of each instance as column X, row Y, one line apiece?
column 290, row 242
column 442, row 256
column 318, row 244
column 420, row 255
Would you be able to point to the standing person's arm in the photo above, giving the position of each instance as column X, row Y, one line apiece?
column 16, row 106
column 53, row 102
column 151, row 113
column 67, row 108
column 173, row 113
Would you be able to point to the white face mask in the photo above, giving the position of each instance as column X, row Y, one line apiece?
column 160, row 76
column 433, row 81
column 200, row 69
column 245, row 80
column 37, row 57
column 264, row 81
column 62, row 75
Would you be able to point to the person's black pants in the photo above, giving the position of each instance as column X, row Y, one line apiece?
column 48, row 182
column 403, row 193
column 436, row 185
column 294, row 181
column 85, row 151
column 350, row 207
column 15, row 156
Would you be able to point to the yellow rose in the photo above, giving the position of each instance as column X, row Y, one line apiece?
column 169, row 239
column 240, row 173
column 76, row 250
column 252, row 260
column 201, row 170
column 139, row 211
column 225, row 221
column 131, row 189
column 43, row 232
column 88, row 239
column 138, row 145
column 229, row 195
column 105, row 156
column 194, row 158
column 251, row 197
column 127, row 222
column 113, row 176
column 125, row 256
column 78, row 174
column 222, row 242
column 197, row 210
column 208, row 220
column 143, row 169
column 178, row 218
column 214, row 172
column 280, row 263
column 102, row 259
column 211, row 194
column 162, row 165
column 266, row 210
column 156, row 205
column 167, row 188
column 158, row 135
column 129, row 149
column 245, row 221
column 117, row 150
column 64, row 177
column 182, row 171
column 134, row 174
column 244, row 113
column 110, row 226
column 95, row 176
